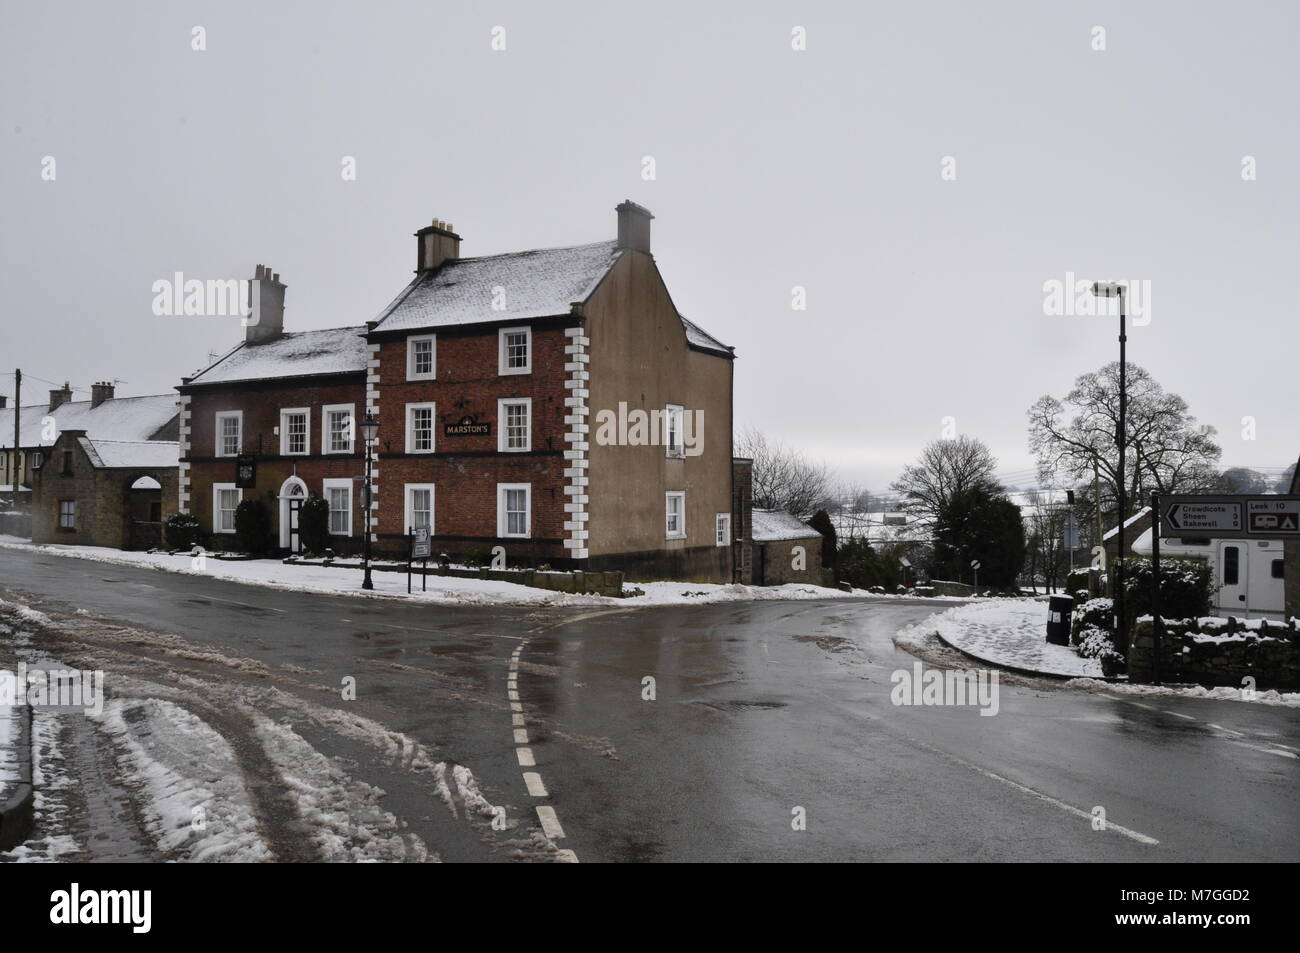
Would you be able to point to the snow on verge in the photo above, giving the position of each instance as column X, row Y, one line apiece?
column 1009, row 632
column 444, row 590
column 1222, row 693
column 194, row 800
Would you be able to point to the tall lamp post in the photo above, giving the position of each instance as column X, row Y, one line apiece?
column 369, row 429
column 1110, row 289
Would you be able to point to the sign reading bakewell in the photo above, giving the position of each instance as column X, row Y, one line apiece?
column 1230, row 517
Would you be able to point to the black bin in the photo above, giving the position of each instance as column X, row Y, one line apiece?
column 1059, row 610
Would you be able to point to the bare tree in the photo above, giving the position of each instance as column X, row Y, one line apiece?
column 1045, row 526
column 945, row 469
column 1166, row 451
column 784, row 479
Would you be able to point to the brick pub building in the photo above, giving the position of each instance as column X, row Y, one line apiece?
column 552, row 402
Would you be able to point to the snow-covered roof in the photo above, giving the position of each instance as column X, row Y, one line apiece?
column 696, row 336
column 118, row 418
column 292, row 354
column 542, row 283
column 123, row 454
column 1128, row 522
column 770, row 525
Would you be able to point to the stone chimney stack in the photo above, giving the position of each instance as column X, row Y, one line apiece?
column 58, row 397
column 633, row 226
column 436, row 244
column 266, row 322
column 100, row 392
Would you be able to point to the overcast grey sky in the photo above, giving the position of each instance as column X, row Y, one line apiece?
column 774, row 168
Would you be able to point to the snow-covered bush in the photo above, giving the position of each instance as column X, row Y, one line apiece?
column 181, row 529
column 1184, row 588
column 1096, row 643
column 1092, row 614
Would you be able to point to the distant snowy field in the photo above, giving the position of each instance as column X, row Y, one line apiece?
column 442, row 590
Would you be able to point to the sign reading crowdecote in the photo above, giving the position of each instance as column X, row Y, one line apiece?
column 1230, row 517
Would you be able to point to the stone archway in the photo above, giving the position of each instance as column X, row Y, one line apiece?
column 141, row 512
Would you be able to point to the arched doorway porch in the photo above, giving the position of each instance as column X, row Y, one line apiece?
column 292, row 494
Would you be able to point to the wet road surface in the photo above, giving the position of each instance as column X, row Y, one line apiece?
column 734, row 731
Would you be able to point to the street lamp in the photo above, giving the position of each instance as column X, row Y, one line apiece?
column 369, row 429
column 1111, row 289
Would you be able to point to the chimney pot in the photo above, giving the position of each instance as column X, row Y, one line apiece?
column 633, row 226
column 435, row 244
column 100, row 392
column 268, row 296
column 62, row 396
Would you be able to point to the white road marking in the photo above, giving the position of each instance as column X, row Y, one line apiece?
column 1225, row 730
column 1047, row 798
column 545, row 814
column 246, row 605
column 1210, row 724
column 517, row 720
column 550, row 823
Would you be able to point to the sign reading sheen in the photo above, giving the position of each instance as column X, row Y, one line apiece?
column 1230, row 517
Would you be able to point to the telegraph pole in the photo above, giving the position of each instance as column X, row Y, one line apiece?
column 16, row 476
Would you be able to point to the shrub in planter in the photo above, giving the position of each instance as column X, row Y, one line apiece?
column 314, row 524
column 181, row 529
column 252, row 526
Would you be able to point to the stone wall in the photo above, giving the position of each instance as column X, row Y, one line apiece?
column 779, row 559
column 1219, row 652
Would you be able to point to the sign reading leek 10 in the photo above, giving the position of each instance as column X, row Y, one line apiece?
column 1230, row 517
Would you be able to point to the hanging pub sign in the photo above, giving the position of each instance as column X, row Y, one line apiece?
column 245, row 471
column 468, row 426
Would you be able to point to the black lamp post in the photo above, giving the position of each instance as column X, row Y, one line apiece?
column 369, row 429
column 1115, row 290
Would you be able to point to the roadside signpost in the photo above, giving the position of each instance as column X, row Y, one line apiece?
column 419, row 546
column 975, row 565
column 1211, row 516
column 1230, row 517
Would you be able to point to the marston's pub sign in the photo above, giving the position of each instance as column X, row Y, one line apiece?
column 467, row 426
